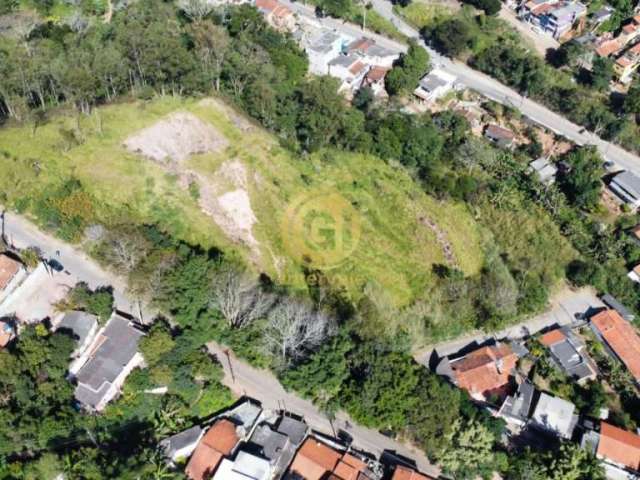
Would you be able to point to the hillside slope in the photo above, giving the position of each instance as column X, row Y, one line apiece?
column 209, row 176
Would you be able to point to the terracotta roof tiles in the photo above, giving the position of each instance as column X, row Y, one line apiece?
column 404, row 473
column 619, row 446
column 8, row 269
column 621, row 337
column 485, row 370
column 552, row 337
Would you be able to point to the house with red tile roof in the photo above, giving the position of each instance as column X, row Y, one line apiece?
column 618, row 449
column 620, row 338
column 484, row 372
column 218, row 442
column 318, row 461
column 406, row 473
column 277, row 15
column 12, row 272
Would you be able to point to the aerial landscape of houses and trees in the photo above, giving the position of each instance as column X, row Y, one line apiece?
column 324, row 240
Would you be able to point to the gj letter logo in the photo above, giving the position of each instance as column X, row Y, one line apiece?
column 321, row 229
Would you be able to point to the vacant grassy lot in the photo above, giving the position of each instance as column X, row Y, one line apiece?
column 395, row 249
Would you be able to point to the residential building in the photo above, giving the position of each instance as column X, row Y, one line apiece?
column 544, row 169
column 277, row 15
column 111, row 357
column 516, row 409
column 556, row 18
column 607, row 46
column 371, row 53
column 245, row 467
column 181, row 445
column 555, row 415
column 323, row 48
column 405, row 473
column 350, row 69
column 618, row 449
column 278, row 445
column 318, row 461
column 7, row 332
column 569, row 353
column 611, row 302
column 634, row 274
column 626, row 186
column 602, row 15
column 218, row 442
column 484, row 373
column 620, row 338
column 630, row 32
column 374, row 79
column 502, row 137
column 627, row 64
column 83, row 326
column 12, row 273
column 434, row 85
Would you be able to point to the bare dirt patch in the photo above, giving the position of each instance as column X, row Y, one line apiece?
column 175, row 138
column 443, row 241
column 223, row 196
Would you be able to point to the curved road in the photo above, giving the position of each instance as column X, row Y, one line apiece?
column 495, row 90
column 483, row 84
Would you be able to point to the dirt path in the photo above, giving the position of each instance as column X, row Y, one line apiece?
column 109, row 13
column 443, row 241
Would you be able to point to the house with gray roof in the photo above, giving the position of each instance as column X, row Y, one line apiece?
column 611, row 302
column 626, row 186
column 569, row 353
column 83, row 326
column 544, row 169
column 109, row 359
column 517, row 408
column 181, row 445
column 436, row 84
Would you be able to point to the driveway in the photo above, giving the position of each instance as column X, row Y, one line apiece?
column 22, row 233
column 245, row 380
column 36, row 297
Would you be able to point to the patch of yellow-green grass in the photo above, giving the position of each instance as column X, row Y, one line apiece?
column 381, row 25
column 420, row 14
column 394, row 248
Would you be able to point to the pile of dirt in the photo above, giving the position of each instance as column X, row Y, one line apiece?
column 175, row 138
column 224, row 196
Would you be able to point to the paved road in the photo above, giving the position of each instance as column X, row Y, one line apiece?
column 564, row 308
column 244, row 379
column 494, row 90
column 21, row 233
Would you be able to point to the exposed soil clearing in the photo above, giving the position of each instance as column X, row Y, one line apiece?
column 224, row 195
column 176, row 138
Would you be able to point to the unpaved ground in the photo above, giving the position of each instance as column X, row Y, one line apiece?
column 238, row 120
column 443, row 241
column 176, row 138
column 224, row 196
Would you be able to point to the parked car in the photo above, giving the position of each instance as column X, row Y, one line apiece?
column 55, row 265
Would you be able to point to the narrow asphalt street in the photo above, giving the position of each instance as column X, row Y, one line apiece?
column 21, row 233
column 479, row 82
column 243, row 379
column 563, row 309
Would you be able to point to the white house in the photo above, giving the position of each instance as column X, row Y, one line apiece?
column 110, row 359
column 372, row 53
column 555, row 415
column 244, row 467
column 322, row 49
column 350, row 69
column 434, row 85
column 181, row 445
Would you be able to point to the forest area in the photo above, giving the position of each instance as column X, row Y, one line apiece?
column 318, row 341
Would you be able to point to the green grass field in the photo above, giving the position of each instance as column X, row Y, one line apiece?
column 394, row 250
